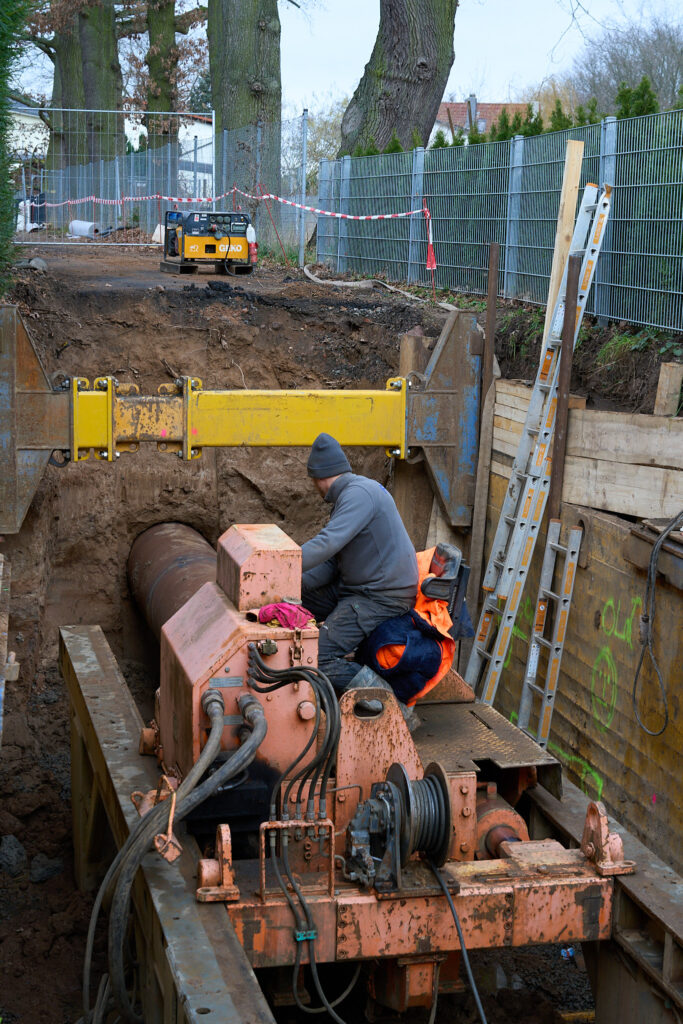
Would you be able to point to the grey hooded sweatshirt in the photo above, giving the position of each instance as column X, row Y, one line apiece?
column 365, row 544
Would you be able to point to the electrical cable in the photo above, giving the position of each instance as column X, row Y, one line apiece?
column 213, row 705
column 465, row 957
column 647, row 622
column 253, row 714
column 259, row 672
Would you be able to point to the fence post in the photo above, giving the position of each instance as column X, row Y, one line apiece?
column 169, row 156
column 224, row 164
column 512, row 223
column 194, row 170
column 344, row 185
column 302, row 222
column 213, row 158
column 416, row 193
column 607, row 175
column 324, row 203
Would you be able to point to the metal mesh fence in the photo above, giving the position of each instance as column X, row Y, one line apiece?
column 509, row 192
column 109, row 176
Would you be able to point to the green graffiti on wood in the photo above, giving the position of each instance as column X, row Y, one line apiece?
column 610, row 620
column 604, row 689
column 590, row 782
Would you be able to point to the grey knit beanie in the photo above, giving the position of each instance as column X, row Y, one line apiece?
column 327, row 458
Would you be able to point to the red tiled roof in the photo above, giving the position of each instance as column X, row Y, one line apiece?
column 488, row 112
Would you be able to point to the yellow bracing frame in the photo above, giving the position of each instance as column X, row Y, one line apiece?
column 433, row 417
column 183, row 418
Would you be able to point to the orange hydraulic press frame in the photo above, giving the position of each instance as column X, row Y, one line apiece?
column 508, row 891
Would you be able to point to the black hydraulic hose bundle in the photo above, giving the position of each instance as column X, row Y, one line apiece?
column 264, row 680
column 123, row 869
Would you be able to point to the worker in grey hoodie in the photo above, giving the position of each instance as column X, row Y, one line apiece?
column 361, row 569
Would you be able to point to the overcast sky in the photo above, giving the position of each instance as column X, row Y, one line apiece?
column 501, row 46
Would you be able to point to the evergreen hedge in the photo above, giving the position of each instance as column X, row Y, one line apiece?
column 12, row 18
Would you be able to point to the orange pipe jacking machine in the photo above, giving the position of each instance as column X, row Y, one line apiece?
column 342, row 838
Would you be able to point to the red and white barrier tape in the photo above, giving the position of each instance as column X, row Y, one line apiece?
column 248, row 195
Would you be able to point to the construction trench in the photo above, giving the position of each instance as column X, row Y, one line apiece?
column 94, row 315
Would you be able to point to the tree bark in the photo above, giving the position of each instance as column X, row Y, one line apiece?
column 102, row 81
column 67, row 135
column 406, row 75
column 162, row 65
column 244, row 60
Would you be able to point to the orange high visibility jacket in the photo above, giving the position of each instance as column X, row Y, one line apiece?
column 436, row 614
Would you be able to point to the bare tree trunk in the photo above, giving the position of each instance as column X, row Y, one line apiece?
column 244, row 60
column 404, row 80
column 162, row 64
column 102, row 81
column 67, row 136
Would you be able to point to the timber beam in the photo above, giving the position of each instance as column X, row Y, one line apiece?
column 191, row 962
column 638, row 975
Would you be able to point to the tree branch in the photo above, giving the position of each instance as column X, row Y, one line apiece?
column 185, row 21
column 46, row 45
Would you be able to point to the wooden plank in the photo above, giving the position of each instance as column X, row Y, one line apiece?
column 509, row 412
column 668, row 400
column 565, row 224
column 502, row 444
column 500, row 469
column 634, row 439
column 508, row 426
column 518, row 388
column 616, row 487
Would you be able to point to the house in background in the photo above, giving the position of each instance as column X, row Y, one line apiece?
column 470, row 112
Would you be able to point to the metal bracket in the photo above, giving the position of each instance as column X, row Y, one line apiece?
column 442, row 415
column 604, row 848
column 189, row 450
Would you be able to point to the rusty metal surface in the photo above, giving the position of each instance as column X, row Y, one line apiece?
column 655, row 887
column 639, row 973
column 210, row 971
column 28, row 407
column 167, row 564
column 443, row 415
column 368, row 746
column 258, row 565
column 205, row 645
column 461, row 735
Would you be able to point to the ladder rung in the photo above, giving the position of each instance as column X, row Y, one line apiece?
column 559, row 548
column 510, row 520
column 536, row 688
column 542, row 641
column 551, row 594
column 483, row 653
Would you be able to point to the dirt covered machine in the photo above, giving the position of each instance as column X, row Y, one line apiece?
column 331, row 835
column 226, row 239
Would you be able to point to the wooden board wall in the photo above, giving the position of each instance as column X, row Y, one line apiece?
column 595, row 732
column 629, row 464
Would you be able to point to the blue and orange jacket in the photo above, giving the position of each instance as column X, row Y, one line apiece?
column 413, row 652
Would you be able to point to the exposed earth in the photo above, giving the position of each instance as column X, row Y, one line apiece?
column 98, row 312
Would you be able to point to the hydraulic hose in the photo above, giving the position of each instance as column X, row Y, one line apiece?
column 213, row 705
column 253, row 714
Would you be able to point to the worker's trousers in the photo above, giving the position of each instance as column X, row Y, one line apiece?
column 349, row 618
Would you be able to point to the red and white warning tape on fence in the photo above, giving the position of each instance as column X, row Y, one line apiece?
column 96, row 201
column 248, row 195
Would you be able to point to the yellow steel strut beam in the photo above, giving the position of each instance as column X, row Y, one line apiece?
column 184, row 418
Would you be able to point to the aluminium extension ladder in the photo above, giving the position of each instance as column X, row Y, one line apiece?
column 562, row 599
column 527, row 492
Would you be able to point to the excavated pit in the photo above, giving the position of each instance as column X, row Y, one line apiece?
column 101, row 313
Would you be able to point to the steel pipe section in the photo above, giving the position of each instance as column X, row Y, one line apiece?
column 167, row 564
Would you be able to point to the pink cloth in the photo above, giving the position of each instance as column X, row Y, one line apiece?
column 291, row 616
